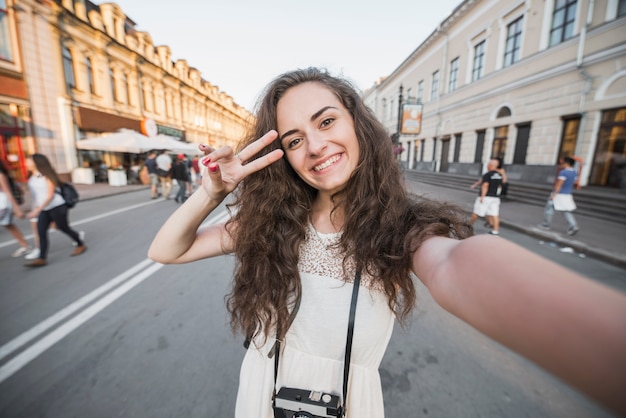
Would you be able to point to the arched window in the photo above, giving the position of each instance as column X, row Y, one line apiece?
column 503, row 112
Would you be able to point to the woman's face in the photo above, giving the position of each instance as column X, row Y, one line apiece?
column 317, row 133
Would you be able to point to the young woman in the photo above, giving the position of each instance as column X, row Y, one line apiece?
column 48, row 207
column 8, row 208
column 320, row 197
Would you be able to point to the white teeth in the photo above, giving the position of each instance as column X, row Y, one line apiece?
column 326, row 163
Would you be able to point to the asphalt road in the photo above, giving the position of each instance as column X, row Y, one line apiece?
column 110, row 333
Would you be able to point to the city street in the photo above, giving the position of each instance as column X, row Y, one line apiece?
column 112, row 334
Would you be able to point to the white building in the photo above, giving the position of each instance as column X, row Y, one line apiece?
column 71, row 69
column 527, row 81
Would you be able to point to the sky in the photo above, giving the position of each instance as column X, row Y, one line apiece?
column 241, row 45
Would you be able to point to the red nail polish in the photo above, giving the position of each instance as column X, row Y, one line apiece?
column 206, row 161
column 213, row 168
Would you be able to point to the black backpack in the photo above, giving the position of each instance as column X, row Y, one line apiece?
column 69, row 193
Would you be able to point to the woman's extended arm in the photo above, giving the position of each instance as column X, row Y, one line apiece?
column 571, row 326
column 179, row 240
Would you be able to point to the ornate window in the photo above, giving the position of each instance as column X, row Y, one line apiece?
column 68, row 68
column 90, row 75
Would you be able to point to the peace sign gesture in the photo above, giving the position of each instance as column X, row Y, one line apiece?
column 225, row 169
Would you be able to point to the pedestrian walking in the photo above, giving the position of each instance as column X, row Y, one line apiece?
column 488, row 201
column 164, row 171
column 561, row 198
column 502, row 191
column 180, row 173
column 151, row 166
column 327, row 241
column 195, row 171
column 9, row 208
column 50, row 208
column 38, row 189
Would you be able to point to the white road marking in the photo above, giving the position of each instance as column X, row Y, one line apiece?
column 51, row 321
column 32, row 352
column 121, row 285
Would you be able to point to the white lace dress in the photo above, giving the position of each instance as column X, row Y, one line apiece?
column 315, row 343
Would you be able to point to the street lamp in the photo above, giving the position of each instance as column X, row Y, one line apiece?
column 395, row 138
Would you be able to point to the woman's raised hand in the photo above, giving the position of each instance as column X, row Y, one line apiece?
column 225, row 169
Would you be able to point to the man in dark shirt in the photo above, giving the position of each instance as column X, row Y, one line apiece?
column 180, row 173
column 488, row 201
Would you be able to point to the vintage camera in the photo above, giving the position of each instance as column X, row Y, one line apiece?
column 300, row 403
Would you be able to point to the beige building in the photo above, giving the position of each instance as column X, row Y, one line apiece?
column 70, row 70
column 526, row 81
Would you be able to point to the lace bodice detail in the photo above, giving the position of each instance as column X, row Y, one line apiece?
column 321, row 255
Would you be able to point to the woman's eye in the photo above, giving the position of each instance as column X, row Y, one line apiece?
column 327, row 121
column 294, row 142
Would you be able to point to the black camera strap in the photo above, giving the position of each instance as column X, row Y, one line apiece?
column 346, row 363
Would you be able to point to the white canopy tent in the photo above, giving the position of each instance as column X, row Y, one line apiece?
column 126, row 140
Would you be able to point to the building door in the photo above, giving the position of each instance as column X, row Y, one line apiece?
column 609, row 162
column 521, row 143
column 499, row 142
column 445, row 150
column 480, row 145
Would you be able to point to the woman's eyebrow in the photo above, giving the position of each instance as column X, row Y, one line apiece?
column 313, row 117
column 319, row 112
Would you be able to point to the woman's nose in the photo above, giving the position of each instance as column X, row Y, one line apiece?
column 316, row 144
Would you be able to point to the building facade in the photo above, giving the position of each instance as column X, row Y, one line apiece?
column 71, row 69
column 526, row 81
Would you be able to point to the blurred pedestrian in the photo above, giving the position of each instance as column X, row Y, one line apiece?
column 164, row 170
column 561, row 198
column 195, row 170
column 151, row 166
column 488, row 201
column 50, row 208
column 180, row 173
column 38, row 194
column 9, row 207
column 502, row 191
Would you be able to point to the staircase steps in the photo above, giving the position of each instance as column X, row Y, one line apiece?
column 599, row 202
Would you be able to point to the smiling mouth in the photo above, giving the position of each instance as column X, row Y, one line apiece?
column 327, row 163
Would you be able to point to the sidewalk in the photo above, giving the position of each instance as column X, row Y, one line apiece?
column 597, row 238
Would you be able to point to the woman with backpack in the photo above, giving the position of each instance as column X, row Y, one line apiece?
column 9, row 207
column 49, row 206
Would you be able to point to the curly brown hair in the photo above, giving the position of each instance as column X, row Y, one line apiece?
column 382, row 227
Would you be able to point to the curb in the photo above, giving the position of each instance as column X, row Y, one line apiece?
column 579, row 246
